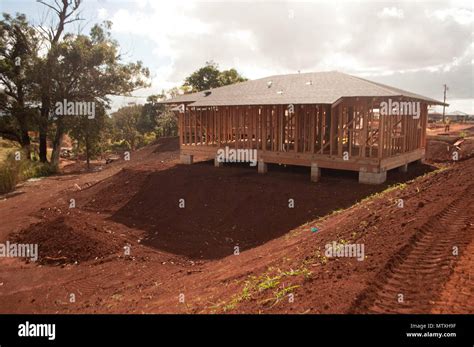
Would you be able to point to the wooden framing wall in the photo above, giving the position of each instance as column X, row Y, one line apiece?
column 349, row 134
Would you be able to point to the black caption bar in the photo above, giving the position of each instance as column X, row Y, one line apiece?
column 139, row 330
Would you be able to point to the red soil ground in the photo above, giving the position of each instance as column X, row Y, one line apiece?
column 280, row 266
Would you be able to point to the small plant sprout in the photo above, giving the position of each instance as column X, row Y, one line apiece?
column 345, row 155
column 400, row 298
column 314, row 229
column 181, row 203
column 181, row 298
column 72, row 203
column 236, row 250
column 72, row 298
column 126, row 155
column 400, row 203
column 455, row 251
column 291, row 203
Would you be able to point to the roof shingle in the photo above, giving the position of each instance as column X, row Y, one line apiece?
column 301, row 88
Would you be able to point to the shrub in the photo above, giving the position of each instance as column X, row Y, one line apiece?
column 146, row 139
column 14, row 171
column 8, row 178
column 120, row 146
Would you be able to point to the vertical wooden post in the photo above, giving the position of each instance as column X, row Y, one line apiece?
column 380, row 153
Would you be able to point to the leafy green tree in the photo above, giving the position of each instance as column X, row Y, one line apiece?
column 18, row 49
column 89, row 70
column 89, row 132
column 205, row 78
column 231, row 76
column 64, row 13
column 167, row 124
column 159, row 116
column 124, row 123
column 210, row 76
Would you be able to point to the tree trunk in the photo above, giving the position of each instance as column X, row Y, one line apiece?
column 87, row 152
column 57, row 142
column 22, row 122
column 43, row 132
column 43, row 144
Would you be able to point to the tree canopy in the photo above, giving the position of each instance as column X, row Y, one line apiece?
column 210, row 76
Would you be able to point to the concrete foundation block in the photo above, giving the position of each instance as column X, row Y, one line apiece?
column 315, row 172
column 186, row 159
column 218, row 163
column 372, row 178
column 420, row 161
column 262, row 167
column 403, row 168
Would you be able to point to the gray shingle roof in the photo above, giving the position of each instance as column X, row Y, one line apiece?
column 301, row 88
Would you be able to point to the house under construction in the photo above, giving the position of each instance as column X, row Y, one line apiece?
column 321, row 120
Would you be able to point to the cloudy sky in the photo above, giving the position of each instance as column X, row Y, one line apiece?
column 418, row 46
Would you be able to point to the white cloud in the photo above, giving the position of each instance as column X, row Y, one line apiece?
column 433, row 44
column 102, row 13
column 460, row 15
column 391, row 12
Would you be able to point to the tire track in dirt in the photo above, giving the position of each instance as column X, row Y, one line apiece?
column 458, row 293
column 420, row 269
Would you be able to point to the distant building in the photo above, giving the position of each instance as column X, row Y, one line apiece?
column 454, row 116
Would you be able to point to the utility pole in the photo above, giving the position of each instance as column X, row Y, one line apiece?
column 444, row 102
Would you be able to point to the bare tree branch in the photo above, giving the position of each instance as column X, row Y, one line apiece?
column 48, row 5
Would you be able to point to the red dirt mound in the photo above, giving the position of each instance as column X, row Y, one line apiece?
column 441, row 151
column 166, row 144
column 227, row 207
column 65, row 239
column 121, row 186
column 408, row 250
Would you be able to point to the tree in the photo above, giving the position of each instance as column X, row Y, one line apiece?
column 64, row 11
column 205, row 78
column 210, row 76
column 18, row 50
column 231, row 76
column 167, row 123
column 159, row 117
column 88, row 132
column 89, row 70
column 124, row 123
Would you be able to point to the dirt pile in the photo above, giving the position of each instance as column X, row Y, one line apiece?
column 114, row 192
column 407, row 250
column 442, row 151
column 225, row 208
column 66, row 239
column 166, row 144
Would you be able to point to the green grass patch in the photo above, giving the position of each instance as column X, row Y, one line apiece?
column 269, row 281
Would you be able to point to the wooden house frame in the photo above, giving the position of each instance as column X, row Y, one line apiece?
column 350, row 133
